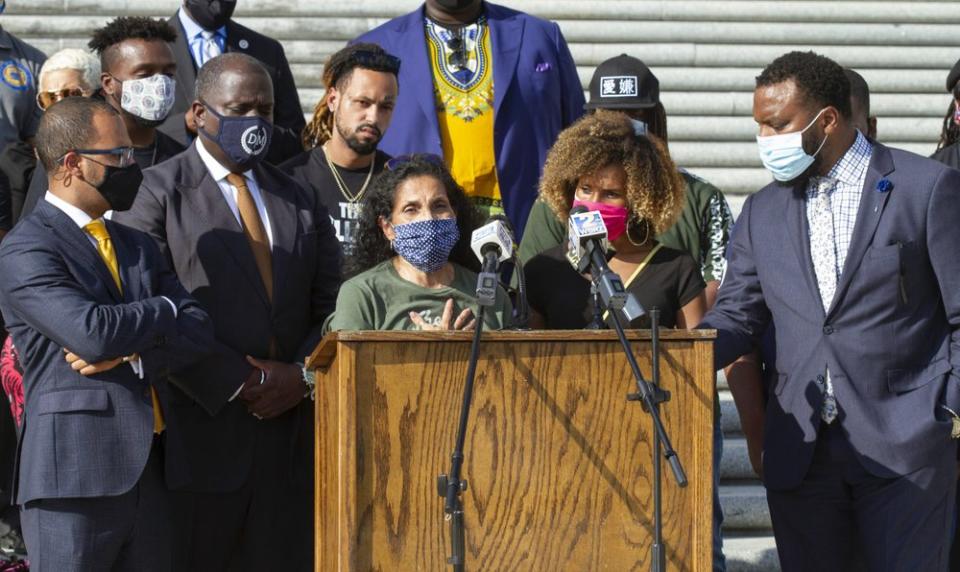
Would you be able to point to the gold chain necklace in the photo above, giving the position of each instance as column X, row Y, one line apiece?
column 351, row 198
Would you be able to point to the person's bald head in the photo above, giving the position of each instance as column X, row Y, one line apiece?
column 230, row 85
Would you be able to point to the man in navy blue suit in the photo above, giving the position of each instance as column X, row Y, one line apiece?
column 102, row 326
column 852, row 255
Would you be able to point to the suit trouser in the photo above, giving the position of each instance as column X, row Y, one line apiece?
column 257, row 527
column 843, row 518
column 126, row 532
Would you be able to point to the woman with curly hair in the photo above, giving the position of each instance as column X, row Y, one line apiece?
column 599, row 163
column 413, row 265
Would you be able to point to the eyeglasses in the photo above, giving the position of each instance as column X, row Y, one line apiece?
column 365, row 58
column 458, row 58
column 47, row 98
column 401, row 160
column 124, row 153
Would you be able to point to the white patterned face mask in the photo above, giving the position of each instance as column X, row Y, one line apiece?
column 150, row 98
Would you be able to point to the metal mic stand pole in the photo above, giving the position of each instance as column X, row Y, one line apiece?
column 651, row 398
column 450, row 486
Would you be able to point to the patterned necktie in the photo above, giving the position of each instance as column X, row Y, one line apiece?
column 823, row 250
column 254, row 230
column 98, row 230
column 210, row 48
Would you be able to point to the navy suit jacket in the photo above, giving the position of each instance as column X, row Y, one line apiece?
column 91, row 436
column 536, row 92
column 890, row 337
column 183, row 209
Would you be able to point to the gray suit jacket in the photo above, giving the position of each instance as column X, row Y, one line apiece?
column 891, row 337
column 91, row 436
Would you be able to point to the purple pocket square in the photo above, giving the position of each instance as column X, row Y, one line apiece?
column 542, row 67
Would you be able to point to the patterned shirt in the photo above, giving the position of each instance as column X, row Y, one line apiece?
column 848, row 176
column 462, row 65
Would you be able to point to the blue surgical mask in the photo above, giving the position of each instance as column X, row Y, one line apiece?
column 639, row 127
column 783, row 154
column 426, row 244
column 244, row 140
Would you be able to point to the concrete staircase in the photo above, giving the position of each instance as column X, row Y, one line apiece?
column 706, row 54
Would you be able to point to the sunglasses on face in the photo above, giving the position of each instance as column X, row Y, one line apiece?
column 458, row 58
column 47, row 98
column 125, row 154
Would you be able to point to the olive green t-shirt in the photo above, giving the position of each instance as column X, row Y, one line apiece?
column 702, row 230
column 380, row 299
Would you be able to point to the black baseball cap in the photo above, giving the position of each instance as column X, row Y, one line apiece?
column 623, row 82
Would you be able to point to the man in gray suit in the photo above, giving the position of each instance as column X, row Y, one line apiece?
column 103, row 326
column 259, row 253
column 852, row 256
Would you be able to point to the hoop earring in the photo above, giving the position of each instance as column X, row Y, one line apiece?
column 646, row 234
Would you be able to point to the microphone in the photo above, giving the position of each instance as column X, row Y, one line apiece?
column 586, row 250
column 493, row 244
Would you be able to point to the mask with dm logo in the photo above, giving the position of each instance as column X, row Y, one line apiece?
column 614, row 217
column 426, row 244
column 244, row 140
column 149, row 99
column 783, row 154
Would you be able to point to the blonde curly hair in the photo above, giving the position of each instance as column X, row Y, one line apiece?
column 655, row 190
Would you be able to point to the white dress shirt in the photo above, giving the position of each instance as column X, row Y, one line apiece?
column 219, row 174
column 82, row 219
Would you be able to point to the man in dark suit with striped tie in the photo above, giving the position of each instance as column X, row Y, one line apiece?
column 260, row 254
column 103, row 327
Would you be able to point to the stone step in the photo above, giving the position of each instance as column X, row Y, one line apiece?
column 857, row 11
column 751, row 553
column 735, row 465
column 730, row 419
column 744, row 507
column 616, row 31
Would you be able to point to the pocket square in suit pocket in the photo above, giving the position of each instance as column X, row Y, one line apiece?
column 542, row 67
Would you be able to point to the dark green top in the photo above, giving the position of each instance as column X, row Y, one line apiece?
column 380, row 299
column 702, row 230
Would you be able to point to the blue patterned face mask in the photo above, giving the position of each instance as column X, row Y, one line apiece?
column 426, row 244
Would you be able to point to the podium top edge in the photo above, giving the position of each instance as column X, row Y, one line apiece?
column 516, row 335
column 327, row 347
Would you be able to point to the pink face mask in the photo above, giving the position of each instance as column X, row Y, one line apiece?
column 614, row 218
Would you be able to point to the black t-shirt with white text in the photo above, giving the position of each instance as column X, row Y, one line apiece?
column 311, row 170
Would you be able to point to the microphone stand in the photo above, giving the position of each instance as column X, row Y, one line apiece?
column 651, row 397
column 450, row 486
column 521, row 320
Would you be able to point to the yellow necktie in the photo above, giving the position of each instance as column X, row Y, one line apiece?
column 98, row 230
column 254, row 230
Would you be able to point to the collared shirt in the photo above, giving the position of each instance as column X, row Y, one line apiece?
column 82, row 219
column 193, row 33
column 19, row 69
column 848, row 177
column 219, row 174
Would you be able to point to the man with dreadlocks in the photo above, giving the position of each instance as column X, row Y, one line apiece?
column 948, row 149
column 340, row 142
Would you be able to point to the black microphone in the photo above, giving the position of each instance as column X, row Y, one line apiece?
column 587, row 250
column 493, row 244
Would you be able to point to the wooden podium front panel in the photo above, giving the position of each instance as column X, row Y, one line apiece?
column 558, row 461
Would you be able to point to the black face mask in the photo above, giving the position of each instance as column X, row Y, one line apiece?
column 120, row 185
column 211, row 14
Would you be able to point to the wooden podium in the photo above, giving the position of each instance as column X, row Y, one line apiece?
column 557, row 460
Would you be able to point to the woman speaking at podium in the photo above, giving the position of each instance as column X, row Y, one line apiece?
column 413, row 266
column 601, row 164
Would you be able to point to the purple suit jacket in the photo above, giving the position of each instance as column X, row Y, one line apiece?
column 537, row 93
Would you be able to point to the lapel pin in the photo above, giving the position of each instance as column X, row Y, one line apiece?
column 955, row 420
column 884, row 185
column 245, row 44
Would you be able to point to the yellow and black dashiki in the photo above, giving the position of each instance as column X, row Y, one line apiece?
column 462, row 66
